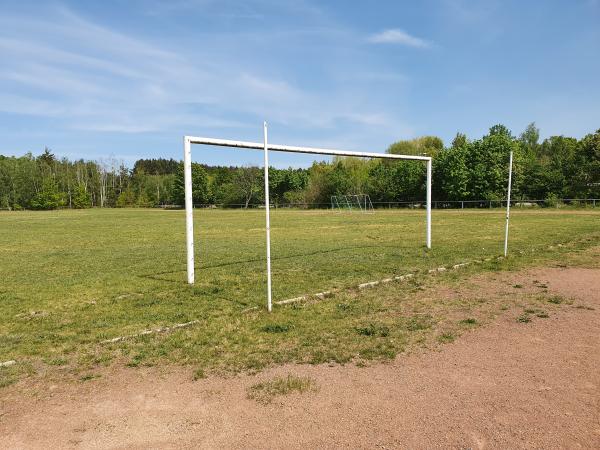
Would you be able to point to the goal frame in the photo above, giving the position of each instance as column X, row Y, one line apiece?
column 367, row 207
column 265, row 147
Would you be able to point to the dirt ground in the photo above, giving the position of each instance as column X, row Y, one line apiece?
column 504, row 385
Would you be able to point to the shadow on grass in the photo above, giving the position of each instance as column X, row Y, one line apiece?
column 158, row 275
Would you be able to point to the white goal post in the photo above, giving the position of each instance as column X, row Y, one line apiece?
column 264, row 146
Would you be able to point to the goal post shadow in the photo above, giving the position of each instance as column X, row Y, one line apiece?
column 265, row 147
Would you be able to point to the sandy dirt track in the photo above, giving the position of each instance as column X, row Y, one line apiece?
column 505, row 385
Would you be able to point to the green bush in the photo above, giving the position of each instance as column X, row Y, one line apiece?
column 552, row 200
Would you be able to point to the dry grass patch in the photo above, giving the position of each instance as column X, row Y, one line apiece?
column 266, row 391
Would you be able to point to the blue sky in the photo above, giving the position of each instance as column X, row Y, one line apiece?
column 129, row 78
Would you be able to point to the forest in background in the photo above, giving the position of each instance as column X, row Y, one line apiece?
column 558, row 167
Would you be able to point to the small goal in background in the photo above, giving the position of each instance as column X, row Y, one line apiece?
column 352, row 202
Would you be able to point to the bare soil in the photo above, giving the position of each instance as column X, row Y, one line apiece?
column 505, row 385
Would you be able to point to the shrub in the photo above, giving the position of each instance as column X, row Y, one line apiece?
column 552, row 200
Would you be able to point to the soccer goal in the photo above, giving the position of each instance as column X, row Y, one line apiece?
column 360, row 202
column 266, row 147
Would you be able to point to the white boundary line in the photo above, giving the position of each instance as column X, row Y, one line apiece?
column 370, row 284
column 325, row 294
column 154, row 331
column 441, row 269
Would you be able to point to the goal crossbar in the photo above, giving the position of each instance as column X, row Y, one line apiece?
column 295, row 149
column 265, row 146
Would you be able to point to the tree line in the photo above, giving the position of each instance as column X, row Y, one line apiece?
column 557, row 167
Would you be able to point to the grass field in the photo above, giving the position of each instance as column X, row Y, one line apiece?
column 71, row 279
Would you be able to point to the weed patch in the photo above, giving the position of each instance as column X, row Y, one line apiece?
column 373, row 330
column 417, row 323
column 266, row 391
column 275, row 328
column 524, row 318
column 445, row 338
column 470, row 321
column 199, row 374
column 88, row 377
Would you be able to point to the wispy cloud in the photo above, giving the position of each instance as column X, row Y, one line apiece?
column 88, row 77
column 398, row 36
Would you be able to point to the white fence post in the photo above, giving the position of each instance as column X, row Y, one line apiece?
column 268, row 219
column 189, row 208
column 510, row 164
column 429, row 203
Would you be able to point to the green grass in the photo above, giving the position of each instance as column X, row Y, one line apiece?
column 265, row 392
column 88, row 377
column 446, row 337
column 469, row 322
column 71, row 279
